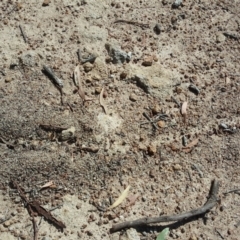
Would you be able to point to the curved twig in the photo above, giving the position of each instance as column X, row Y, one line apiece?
column 211, row 202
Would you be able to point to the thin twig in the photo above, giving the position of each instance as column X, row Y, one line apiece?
column 57, row 81
column 23, row 34
column 218, row 232
column 35, row 228
column 211, row 202
column 149, row 119
column 79, row 55
column 142, row 25
column 237, row 190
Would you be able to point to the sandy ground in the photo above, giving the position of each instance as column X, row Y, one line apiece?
column 152, row 63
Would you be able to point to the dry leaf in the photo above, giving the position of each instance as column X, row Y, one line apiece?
column 184, row 108
column 120, row 198
column 78, row 82
column 102, row 101
column 48, row 184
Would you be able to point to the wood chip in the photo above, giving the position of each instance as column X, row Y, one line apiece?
column 48, row 184
column 102, row 103
column 184, row 108
column 184, row 112
column 120, row 198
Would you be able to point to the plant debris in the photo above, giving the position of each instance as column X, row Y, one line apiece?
column 120, row 198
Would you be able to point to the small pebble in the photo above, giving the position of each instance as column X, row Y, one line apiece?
column 193, row 89
column 161, row 124
column 123, row 75
column 87, row 67
column 9, row 79
column 156, row 109
column 177, row 167
column 147, row 61
column 152, row 149
column 79, row 205
column 157, row 29
column 133, row 97
column 98, row 90
column 17, row 200
column 45, row 238
column 152, row 173
column 193, row 237
column 46, row 3
column 7, row 223
column 220, row 37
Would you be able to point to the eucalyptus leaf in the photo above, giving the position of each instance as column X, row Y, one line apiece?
column 163, row 234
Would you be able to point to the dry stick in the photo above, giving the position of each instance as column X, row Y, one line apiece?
column 35, row 228
column 237, row 190
column 149, row 119
column 79, row 55
column 142, row 25
column 23, row 34
column 29, row 208
column 211, row 202
column 56, row 81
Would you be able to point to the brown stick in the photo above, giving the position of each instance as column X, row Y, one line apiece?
column 34, row 208
column 35, row 228
column 211, row 202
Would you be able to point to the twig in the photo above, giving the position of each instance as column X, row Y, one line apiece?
column 142, row 25
column 2, row 72
column 237, row 190
column 35, row 228
column 149, row 119
column 211, row 202
column 218, row 232
column 231, row 35
column 34, row 208
column 198, row 169
column 79, row 55
column 28, row 206
column 57, row 81
column 23, row 34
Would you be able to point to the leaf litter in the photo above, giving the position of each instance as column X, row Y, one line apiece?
column 121, row 198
